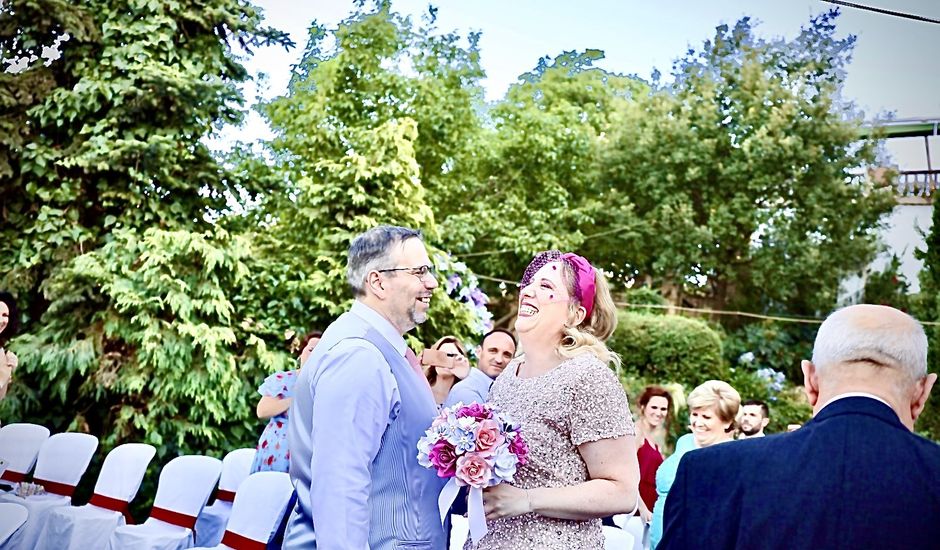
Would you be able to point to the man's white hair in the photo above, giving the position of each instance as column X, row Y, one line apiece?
column 882, row 338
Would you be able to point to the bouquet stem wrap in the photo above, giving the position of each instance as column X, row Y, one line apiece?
column 475, row 514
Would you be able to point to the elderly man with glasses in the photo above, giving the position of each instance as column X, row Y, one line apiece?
column 361, row 404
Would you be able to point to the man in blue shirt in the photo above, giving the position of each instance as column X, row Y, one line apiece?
column 360, row 405
column 495, row 351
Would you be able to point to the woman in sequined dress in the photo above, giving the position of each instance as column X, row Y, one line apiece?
column 573, row 411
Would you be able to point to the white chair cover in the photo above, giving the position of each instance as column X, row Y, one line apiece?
column 12, row 516
column 635, row 526
column 459, row 531
column 19, row 447
column 640, row 531
column 90, row 526
column 259, row 507
column 617, row 539
column 184, row 487
column 211, row 523
column 63, row 459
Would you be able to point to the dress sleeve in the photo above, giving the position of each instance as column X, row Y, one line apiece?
column 599, row 407
column 279, row 385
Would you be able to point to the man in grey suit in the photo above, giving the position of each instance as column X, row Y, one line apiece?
column 495, row 351
column 360, row 405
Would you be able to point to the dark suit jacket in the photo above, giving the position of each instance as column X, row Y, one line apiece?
column 853, row 477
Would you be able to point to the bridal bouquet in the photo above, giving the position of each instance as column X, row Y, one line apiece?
column 472, row 445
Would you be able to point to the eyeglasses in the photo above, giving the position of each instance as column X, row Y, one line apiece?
column 420, row 272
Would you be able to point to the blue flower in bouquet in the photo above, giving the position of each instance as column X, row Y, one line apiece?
column 504, row 463
column 462, row 440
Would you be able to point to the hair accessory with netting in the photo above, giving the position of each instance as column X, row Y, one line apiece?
column 584, row 286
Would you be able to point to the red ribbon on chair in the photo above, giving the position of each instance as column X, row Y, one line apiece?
column 176, row 518
column 227, row 496
column 13, row 477
column 239, row 542
column 113, row 504
column 55, row 487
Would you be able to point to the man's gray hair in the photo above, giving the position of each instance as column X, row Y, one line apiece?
column 372, row 250
column 880, row 340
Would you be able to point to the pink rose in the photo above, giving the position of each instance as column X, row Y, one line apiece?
column 488, row 437
column 443, row 456
column 473, row 470
column 519, row 448
column 475, row 410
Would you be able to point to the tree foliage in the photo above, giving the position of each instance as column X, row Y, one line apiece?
column 538, row 185
column 107, row 191
column 744, row 172
column 359, row 142
column 668, row 348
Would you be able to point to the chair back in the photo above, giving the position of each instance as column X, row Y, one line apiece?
column 63, row 459
column 617, row 539
column 12, row 517
column 260, row 504
column 186, row 483
column 636, row 527
column 123, row 471
column 19, row 447
column 235, row 468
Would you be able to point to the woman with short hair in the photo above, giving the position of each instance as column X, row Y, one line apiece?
column 713, row 407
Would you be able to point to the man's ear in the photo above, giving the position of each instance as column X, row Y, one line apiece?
column 810, row 381
column 764, row 422
column 921, row 393
column 375, row 284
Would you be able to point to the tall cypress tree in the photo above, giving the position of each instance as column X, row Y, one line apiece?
column 107, row 191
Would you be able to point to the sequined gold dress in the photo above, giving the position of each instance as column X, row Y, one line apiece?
column 578, row 401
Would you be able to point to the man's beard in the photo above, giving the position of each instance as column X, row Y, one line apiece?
column 417, row 317
column 752, row 431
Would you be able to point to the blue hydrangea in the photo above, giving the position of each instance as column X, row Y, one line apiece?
column 773, row 379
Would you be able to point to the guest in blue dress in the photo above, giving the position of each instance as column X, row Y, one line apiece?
column 277, row 393
column 713, row 407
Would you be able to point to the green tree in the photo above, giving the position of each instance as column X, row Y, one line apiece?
column 360, row 142
column 538, row 187
column 107, row 192
column 925, row 306
column 745, row 174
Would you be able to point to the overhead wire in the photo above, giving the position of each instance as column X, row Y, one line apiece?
column 883, row 11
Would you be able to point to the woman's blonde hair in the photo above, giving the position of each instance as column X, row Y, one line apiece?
column 591, row 334
column 720, row 395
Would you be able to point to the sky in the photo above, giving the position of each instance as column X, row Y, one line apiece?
column 895, row 66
